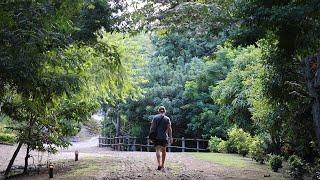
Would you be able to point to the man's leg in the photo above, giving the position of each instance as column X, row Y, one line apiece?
column 164, row 153
column 158, row 149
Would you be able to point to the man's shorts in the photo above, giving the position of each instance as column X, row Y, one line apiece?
column 160, row 142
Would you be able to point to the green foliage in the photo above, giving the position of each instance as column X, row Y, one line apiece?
column 297, row 167
column 174, row 17
column 275, row 162
column 315, row 170
column 173, row 73
column 238, row 141
column 94, row 15
column 49, row 81
column 197, row 94
column 7, row 138
column 59, row 62
column 257, row 149
column 232, row 92
column 222, row 147
column 264, row 91
column 107, row 127
column 133, row 51
column 214, row 143
column 291, row 30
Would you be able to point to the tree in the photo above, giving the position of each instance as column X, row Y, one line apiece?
column 132, row 50
column 197, row 18
column 231, row 93
column 47, row 79
column 290, row 27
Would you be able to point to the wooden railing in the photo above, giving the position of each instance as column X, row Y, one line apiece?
column 128, row 143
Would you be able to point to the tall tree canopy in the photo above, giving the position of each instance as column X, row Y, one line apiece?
column 53, row 68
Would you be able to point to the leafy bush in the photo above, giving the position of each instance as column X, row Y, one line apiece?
column 4, row 130
column 230, row 147
column 297, row 167
column 214, row 144
column 222, row 147
column 238, row 141
column 315, row 171
column 7, row 138
column 256, row 149
column 275, row 162
column 243, row 148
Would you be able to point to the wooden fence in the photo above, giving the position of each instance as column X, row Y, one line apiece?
column 127, row 143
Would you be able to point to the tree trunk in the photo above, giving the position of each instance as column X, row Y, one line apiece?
column 118, row 125
column 12, row 159
column 316, row 117
column 312, row 76
column 26, row 160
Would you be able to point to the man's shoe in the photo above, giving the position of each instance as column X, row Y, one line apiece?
column 159, row 168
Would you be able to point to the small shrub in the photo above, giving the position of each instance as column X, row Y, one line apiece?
column 256, row 149
column 222, row 147
column 7, row 138
column 230, row 147
column 297, row 167
column 214, row 144
column 238, row 141
column 275, row 162
column 243, row 148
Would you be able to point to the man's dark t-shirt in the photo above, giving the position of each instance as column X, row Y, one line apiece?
column 162, row 124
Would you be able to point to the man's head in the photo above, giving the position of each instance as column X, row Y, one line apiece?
column 162, row 110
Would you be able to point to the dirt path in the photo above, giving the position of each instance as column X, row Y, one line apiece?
column 101, row 163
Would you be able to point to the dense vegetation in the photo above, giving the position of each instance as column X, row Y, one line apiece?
column 235, row 72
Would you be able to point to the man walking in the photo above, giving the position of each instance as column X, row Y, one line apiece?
column 161, row 125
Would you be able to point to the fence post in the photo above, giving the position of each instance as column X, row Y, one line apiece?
column 76, row 155
column 141, row 144
column 108, row 141
column 148, row 143
column 129, row 147
column 183, row 143
column 51, row 170
column 120, row 143
column 99, row 141
column 123, row 143
column 197, row 145
column 134, row 144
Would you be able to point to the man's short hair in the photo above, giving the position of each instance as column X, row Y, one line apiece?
column 161, row 109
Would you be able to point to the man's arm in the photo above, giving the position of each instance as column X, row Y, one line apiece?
column 169, row 129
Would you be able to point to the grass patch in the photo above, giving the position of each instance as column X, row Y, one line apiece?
column 82, row 169
column 231, row 160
